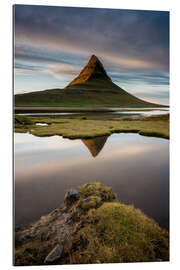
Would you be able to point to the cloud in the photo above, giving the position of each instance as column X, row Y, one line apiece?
column 58, row 41
column 152, row 77
column 131, row 38
column 60, row 69
column 163, row 95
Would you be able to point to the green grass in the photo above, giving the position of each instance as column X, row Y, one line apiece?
column 97, row 189
column 21, row 123
column 114, row 232
column 80, row 128
column 91, row 93
column 31, row 253
column 119, row 233
column 41, row 104
column 22, row 120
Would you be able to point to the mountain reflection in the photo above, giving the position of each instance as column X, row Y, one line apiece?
column 95, row 145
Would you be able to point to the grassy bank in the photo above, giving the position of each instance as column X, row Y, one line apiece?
column 96, row 93
column 157, row 126
column 92, row 227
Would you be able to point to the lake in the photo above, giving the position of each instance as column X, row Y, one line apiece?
column 136, row 167
column 110, row 114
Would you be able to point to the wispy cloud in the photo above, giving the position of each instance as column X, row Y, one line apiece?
column 60, row 40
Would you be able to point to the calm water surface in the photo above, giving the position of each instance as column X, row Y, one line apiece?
column 136, row 167
column 129, row 112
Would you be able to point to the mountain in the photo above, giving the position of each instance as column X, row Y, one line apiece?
column 92, row 87
column 95, row 145
column 92, row 71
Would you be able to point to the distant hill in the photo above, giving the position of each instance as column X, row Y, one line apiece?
column 91, row 87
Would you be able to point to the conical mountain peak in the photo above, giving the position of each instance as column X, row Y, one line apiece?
column 94, row 70
column 95, row 145
column 92, row 87
column 93, row 59
column 93, row 56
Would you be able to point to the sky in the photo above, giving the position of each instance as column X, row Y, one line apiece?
column 53, row 44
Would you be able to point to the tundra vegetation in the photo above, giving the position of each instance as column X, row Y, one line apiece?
column 157, row 126
column 91, row 226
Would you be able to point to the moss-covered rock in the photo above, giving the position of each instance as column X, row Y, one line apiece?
column 119, row 233
column 97, row 189
column 93, row 228
column 90, row 202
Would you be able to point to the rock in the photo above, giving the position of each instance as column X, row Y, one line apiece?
column 71, row 196
column 73, row 192
column 54, row 254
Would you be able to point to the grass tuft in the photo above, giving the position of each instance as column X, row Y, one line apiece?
column 120, row 233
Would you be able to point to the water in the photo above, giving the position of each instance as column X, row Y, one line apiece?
column 136, row 167
column 76, row 111
column 48, row 114
column 139, row 108
column 126, row 113
column 144, row 113
column 129, row 113
column 41, row 124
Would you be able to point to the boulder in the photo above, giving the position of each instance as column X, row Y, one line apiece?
column 71, row 196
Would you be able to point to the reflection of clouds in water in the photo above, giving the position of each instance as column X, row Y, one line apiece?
column 148, row 113
column 23, row 138
column 27, row 143
column 68, row 155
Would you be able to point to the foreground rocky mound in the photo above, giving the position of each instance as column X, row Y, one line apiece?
column 91, row 227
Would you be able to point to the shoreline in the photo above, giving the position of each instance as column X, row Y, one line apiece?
column 79, row 128
column 28, row 109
